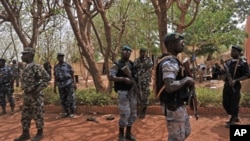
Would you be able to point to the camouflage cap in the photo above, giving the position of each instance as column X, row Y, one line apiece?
column 143, row 50
column 237, row 48
column 126, row 47
column 29, row 50
column 173, row 37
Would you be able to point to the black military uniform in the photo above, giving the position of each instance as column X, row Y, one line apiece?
column 231, row 94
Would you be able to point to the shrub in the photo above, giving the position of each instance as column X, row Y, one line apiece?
column 245, row 99
column 91, row 97
column 50, row 97
column 208, row 97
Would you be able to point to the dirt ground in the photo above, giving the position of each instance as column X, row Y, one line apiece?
column 151, row 128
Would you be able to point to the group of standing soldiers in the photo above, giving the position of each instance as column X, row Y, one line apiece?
column 8, row 75
column 34, row 78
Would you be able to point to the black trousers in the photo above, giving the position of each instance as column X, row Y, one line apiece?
column 231, row 100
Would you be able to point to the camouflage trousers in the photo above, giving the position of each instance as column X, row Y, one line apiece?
column 178, row 124
column 16, row 79
column 127, row 107
column 145, row 92
column 6, row 91
column 67, row 97
column 33, row 108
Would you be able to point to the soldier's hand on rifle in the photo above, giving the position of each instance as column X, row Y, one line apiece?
column 231, row 83
column 127, row 80
column 189, row 81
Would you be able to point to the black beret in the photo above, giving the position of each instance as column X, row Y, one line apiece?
column 237, row 48
column 143, row 49
column 126, row 47
column 2, row 60
column 173, row 37
column 60, row 54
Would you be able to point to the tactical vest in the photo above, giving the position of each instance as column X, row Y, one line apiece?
column 175, row 99
column 122, row 85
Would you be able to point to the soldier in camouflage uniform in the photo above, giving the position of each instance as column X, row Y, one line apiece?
column 34, row 79
column 6, row 87
column 127, row 101
column 64, row 79
column 171, row 86
column 16, row 72
column 143, row 65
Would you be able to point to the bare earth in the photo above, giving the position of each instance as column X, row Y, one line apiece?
column 152, row 128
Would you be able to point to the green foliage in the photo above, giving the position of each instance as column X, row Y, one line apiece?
column 50, row 97
column 219, row 30
column 245, row 99
column 208, row 97
column 91, row 97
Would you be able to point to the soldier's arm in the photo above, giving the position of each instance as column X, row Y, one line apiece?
column 72, row 75
column 170, row 70
column 112, row 75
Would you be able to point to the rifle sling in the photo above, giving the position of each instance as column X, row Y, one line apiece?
column 235, row 68
column 158, row 62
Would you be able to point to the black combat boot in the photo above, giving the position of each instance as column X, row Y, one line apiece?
column 25, row 136
column 3, row 111
column 39, row 135
column 232, row 121
column 129, row 135
column 72, row 113
column 121, row 134
column 236, row 119
column 66, row 113
column 12, row 110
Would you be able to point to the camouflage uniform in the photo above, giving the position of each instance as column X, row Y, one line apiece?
column 63, row 77
column 6, row 88
column 127, row 103
column 144, row 69
column 16, row 73
column 34, row 79
column 177, row 121
column 123, row 75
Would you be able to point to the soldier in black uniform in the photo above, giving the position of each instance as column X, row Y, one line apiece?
column 239, row 71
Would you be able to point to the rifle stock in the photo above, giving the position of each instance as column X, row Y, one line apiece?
column 228, row 74
column 192, row 101
column 134, row 88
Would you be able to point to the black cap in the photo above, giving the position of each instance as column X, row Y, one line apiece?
column 173, row 37
column 2, row 60
column 143, row 50
column 237, row 48
column 60, row 54
column 126, row 47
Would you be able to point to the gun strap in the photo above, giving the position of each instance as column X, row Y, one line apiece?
column 159, row 93
column 163, row 87
column 236, row 66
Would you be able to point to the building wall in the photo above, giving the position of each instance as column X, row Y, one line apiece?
column 247, row 40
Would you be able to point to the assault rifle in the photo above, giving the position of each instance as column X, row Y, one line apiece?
column 134, row 88
column 228, row 74
column 192, row 101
